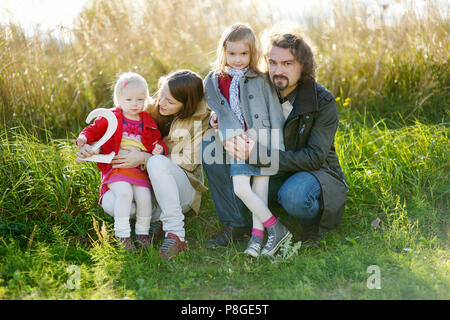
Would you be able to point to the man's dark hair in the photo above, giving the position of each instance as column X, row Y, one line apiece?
column 299, row 49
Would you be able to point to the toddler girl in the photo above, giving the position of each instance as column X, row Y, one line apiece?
column 242, row 99
column 136, row 129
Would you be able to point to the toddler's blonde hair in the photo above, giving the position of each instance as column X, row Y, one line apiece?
column 126, row 79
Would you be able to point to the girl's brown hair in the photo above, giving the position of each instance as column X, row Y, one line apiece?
column 186, row 87
column 237, row 32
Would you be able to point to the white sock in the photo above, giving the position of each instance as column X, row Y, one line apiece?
column 122, row 227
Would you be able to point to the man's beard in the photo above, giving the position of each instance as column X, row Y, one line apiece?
column 280, row 86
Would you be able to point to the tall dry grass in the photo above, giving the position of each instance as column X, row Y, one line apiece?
column 388, row 71
column 53, row 85
column 382, row 75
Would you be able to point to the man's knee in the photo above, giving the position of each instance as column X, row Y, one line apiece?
column 300, row 202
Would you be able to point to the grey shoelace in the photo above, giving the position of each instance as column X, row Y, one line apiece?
column 270, row 240
column 255, row 245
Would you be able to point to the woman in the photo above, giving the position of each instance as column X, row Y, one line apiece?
column 177, row 179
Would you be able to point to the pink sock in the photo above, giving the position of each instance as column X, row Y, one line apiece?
column 258, row 233
column 270, row 222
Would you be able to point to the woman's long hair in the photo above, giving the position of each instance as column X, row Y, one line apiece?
column 186, row 87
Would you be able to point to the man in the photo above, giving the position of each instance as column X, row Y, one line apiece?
column 310, row 184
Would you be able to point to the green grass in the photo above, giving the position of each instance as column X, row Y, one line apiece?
column 51, row 220
column 391, row 84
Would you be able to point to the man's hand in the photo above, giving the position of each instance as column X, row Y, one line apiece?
column 239, row 147
column 132, row 159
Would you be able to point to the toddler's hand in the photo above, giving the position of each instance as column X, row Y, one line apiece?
column 81, row 141
column 158, row 149
column 213, row 121
column 86, row 151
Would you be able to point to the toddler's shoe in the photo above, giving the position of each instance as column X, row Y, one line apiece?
column 254, row 246
column 126, row 243
column 143, row 241
column 171, row 246
column 277, row 234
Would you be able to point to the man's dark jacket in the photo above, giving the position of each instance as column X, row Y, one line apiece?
column 309, row 141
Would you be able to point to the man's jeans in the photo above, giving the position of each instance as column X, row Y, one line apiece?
column 298, row 193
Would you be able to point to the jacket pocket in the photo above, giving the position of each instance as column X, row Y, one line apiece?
column 266, row 123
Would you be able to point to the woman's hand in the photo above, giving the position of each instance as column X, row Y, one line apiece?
column 132, row 159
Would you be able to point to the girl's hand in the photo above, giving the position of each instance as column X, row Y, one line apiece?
column 86, row 151
column 158, row 149
column 213, row 121
column 239, row 147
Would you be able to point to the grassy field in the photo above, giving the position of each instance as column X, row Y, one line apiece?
column 392, row 87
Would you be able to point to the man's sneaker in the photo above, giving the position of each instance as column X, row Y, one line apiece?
column 276, row 235
column 156, row 231
column 171, row 246
column 126, row 243
column 143, row 241
column 224, row 237
column 254, row 246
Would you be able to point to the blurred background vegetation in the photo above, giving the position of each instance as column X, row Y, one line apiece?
column 397, row 72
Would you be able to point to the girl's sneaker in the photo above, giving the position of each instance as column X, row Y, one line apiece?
column 276, row 235
column 143, row 241
column 254, row 246
column 126, row 243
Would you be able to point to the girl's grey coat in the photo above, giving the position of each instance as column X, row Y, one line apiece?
column 260, row 105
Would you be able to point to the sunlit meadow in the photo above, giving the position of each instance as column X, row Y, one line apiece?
column 391, row 83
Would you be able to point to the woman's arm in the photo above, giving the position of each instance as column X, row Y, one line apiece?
column 132, row 159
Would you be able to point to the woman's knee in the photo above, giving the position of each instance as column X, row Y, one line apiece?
column 156, row 164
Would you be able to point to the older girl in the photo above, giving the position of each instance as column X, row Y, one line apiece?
column 246, row 104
